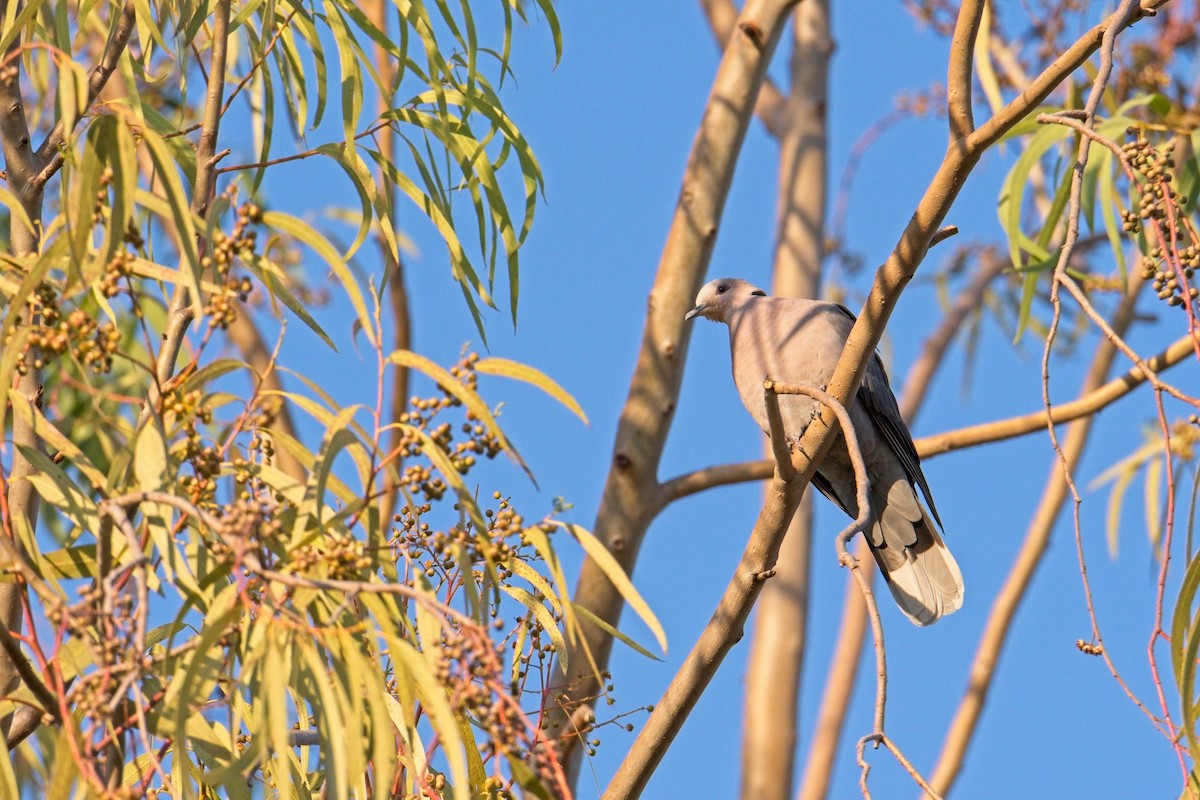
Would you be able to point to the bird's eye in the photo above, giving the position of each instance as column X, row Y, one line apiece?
column 722, row 289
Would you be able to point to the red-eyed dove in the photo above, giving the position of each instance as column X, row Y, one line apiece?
column 800, row 341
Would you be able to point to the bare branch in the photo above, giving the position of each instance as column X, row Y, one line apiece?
column 214, row 103
column 722, row 20
column 182, row 311
column 20, row 162
column 1037, row 537
column 842, row 675
column 1090, row 403
column 883, row 739
column 25, row 721
column 938, row 444
column 1054, row 74
column 958, row 75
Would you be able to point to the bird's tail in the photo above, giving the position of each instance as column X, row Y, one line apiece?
column 923, row 576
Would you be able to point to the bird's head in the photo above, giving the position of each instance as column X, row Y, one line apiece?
column 717, row 298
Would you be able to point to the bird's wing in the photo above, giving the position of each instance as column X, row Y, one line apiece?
column 826, row 488
column 875, row 393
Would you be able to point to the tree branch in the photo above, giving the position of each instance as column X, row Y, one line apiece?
column 33, row 681
column 722, row 21
column 725, row 627
column 1037, row 537
column 21, row 500
column 938, row 444
column 1087, row 405
column 50, row 154
column 842, row 675
column 182, row 309
column 910, row 250
column 631, row 488
column 958, row 74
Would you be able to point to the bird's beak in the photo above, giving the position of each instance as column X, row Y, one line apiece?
column 695, row 312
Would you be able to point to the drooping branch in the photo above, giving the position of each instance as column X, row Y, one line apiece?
column 1033, row 548
column 843, row 667
column 842, row 675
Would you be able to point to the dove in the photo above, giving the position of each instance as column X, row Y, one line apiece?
column 793, row 340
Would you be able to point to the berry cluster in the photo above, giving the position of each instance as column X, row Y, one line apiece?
column 54, row 334
column 1159, row 207
column 422, row 479
column 226, row 248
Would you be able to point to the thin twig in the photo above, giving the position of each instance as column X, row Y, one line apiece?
column 1062, row 279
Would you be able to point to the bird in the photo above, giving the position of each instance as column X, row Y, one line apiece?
column 795, row 340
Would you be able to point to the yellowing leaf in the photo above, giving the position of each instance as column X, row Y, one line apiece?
column 528, row 374
column 150, row 459
column 544, row 618
column 983, row 61
column 613, row 571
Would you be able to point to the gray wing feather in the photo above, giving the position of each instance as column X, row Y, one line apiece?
column 875, row 393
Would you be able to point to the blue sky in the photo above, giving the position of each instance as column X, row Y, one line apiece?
column 612, row 126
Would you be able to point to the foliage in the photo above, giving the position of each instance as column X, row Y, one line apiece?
column 200, row 618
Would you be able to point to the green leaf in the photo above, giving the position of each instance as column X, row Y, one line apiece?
column 527, row 779
column 1159, row 104
column 150, row 459
column 178, row 207
column 28, row 413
